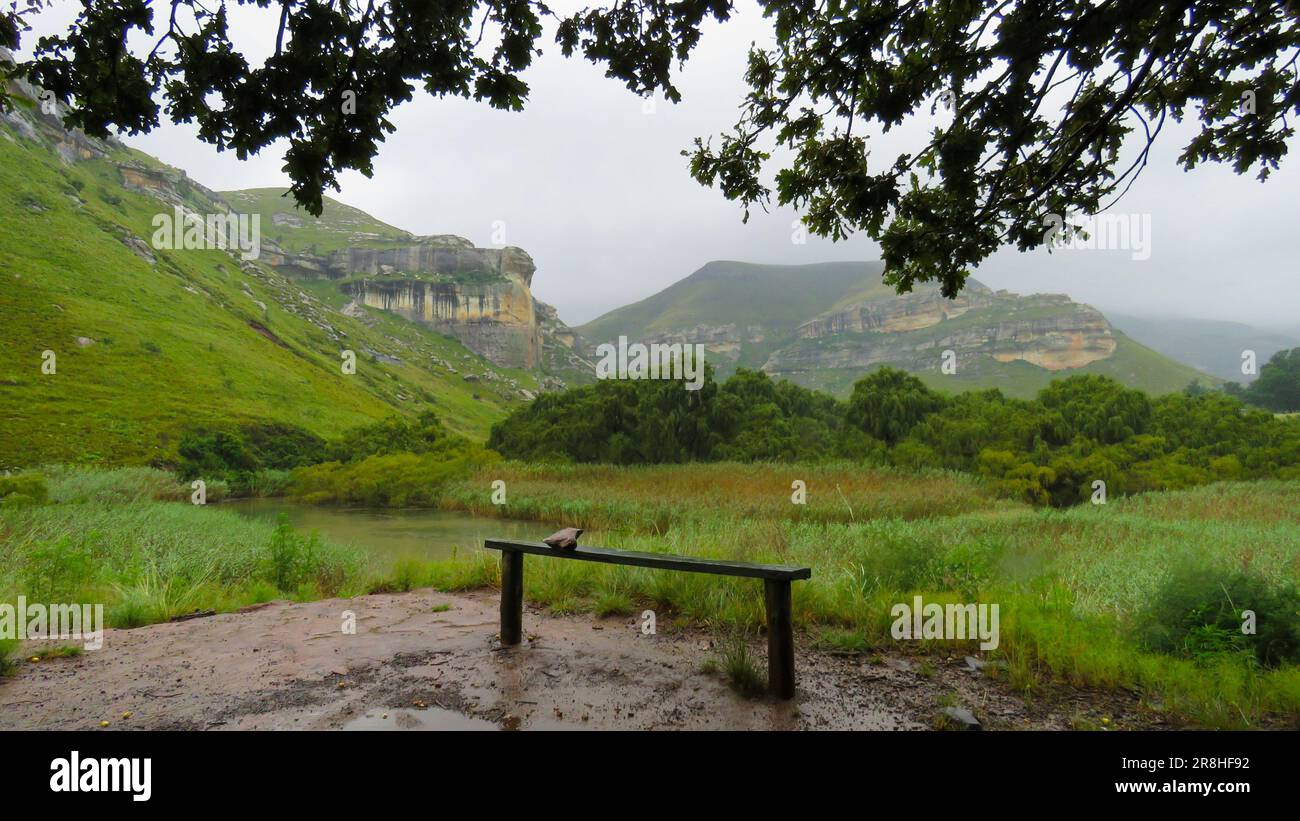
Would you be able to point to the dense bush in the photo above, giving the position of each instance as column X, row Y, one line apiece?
column 256, row 459
column 1278, row 386
column 23, row 489
column 390, row 480
column 749, row 417
column 1198, row 613
column 1055, row 449
column 393, row 435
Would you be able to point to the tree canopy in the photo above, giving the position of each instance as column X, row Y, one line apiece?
column 1048, row 450
column 1039, row 97
column 1278, row 385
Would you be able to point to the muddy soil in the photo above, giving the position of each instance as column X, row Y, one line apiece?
column 429, row 660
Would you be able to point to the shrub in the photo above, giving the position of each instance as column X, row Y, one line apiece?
column 395, row 480
column 1198, row 613
column 291, row 559
column 23, row 489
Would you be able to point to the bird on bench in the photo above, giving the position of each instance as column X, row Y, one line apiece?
column 566, row 539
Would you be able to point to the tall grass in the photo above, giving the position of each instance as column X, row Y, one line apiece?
column 149, row 561
column 77, row 484
column 653, row 498
column 1072, row 585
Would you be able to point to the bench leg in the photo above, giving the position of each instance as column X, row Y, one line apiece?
column 780, row 639
column 512, row 596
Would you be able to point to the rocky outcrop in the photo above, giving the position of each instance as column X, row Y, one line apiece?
column 563, row 350
column 892, row 314
column 911, row 331
column 42, row 121
column 495, row 317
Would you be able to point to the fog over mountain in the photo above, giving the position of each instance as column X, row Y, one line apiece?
column 589, row 178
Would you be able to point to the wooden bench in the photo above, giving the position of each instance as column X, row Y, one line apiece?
column 776, row 582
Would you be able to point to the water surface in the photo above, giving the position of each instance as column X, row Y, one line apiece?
column 392, row 534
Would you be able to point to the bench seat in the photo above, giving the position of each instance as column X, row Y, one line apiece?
column 776, row 582
column 664, row 561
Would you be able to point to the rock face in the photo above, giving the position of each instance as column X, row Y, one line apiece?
column 1047, row 330
column 893, row 314
column 481, row 296
column 485, row 300
column 562, row 350
column 826, row 325
column 44, row 121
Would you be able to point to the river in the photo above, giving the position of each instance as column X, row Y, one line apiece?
column 392, row 534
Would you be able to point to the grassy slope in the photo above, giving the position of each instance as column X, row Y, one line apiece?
column 1210, row 345
column 771, row 296
column 172, row 342
column 338, row 226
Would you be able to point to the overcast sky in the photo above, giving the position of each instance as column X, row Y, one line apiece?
column 590, row 181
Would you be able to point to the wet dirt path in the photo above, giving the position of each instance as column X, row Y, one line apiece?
column 429, row 660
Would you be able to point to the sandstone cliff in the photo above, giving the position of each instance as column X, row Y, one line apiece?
column 482, row 296
column 1046, row 330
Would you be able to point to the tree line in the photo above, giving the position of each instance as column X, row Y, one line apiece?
column 1049, row 450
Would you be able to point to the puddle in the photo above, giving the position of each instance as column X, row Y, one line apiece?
column 434, row 718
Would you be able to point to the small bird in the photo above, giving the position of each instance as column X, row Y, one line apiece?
column 565, row 539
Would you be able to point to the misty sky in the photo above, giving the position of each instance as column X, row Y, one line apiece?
column 591, row 182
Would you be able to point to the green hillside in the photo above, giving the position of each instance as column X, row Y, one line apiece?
column 1132, row 364
column 145, row 350
column 748, row 315
column 1208, row 345
column 773, row 297
column 296, row 231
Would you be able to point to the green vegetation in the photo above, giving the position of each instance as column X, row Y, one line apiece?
column 8, row 649
column 396, row 462
column 396, row 480
column 23, row 489
column 1050, row 450
column 1079, row 590
column 147, row 351
column 658, row 498
column 293, row 229
column 151, row 561
column 737, row 663
column 1278, row 385
column 766, row 304
column 111, row 537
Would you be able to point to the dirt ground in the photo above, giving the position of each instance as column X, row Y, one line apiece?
column 428, row 660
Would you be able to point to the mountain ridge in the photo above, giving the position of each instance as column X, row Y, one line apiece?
column 1212, row 345
column 824, row 325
